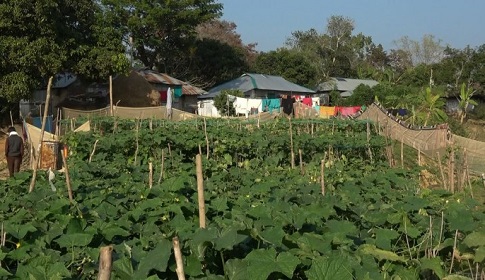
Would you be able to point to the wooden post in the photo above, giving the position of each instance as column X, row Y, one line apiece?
column 11, row 118
column 206, row 139
column 369, row 150
column 42, row 130
column 322, row 176
column 178, row 258
column 402, row 153
column 68, row 180
column 200, row 190
column 111, row 95
column 161, row 168
column 441, row 171
column 451, row 170
column 292, row 152
column 94, row 149
column 302, row 171
column 105, row 263
column 150, row 174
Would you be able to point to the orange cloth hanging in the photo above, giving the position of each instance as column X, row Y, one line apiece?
column 327, row 112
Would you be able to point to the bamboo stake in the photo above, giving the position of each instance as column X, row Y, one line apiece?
column 454, row 252
column 451, row 170
column 11, row 118
column 302, row 171
column 68, row 180
column 441, row 171
column 137, row 145
column 94, row 149
column 206, row 138
column 111, row 95
column 178, row 258
column 150, row 174
column 369, row 150
column 292, row 152
column 322, row 176
column 161, row 168
column 105, row 263
column 42, row 130
column 402, row 153
column 200, row 190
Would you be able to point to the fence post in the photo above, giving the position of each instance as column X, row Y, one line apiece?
column 200, row 190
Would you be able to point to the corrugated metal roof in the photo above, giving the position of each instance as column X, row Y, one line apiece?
column 344, row 84
column 249, row 81
column 162, row 78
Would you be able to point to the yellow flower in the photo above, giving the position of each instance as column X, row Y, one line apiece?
column 18, row 245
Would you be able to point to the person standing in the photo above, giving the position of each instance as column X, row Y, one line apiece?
column 14, row 151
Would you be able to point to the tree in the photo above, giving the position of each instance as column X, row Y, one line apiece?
column 432, row 106
column 427, row 51
column 41, row 38
column 224, row 104
column 290, row 64
column 162, row 33
column 337, row 52
column 466, row 95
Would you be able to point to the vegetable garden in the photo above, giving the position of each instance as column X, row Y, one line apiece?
column 270, row 214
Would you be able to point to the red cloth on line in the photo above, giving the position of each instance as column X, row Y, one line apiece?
column 347, row 111
column 163, row 96
column 307, row 101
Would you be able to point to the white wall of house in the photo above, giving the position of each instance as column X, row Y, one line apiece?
column 206, row 108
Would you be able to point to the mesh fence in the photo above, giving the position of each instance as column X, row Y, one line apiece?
column 159, row 112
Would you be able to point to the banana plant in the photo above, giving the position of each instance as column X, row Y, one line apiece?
column 466, row 94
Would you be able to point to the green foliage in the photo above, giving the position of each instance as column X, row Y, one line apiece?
column 265, row 219
column 290, row 64
column 41, row 39
column 224, row 105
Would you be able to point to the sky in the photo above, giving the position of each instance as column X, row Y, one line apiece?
column 269, row 23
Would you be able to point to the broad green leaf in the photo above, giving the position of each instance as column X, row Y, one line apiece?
column 475, row 239
column 157, row 259
column 58, row 271
column 261, row 263
column 4, row 273
column 123, row 268
column 479, row 254
column 329, row 269
column 236, row 269
column 74, row 240
column 368, row 249
column 287, row 263
column 219, row 204
column 384, row 238
column 193, row 267
column 228, row 239
column 433, row 264
column 273, row 235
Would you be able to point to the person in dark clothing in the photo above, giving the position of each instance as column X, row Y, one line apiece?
column 287, row 104
column 14, row 151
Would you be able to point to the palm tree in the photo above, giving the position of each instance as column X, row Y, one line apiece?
column 465, row 101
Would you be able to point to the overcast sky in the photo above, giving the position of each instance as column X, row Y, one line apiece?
column 269, row 23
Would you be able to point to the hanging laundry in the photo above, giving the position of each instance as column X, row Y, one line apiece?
column 163, row 96
column 287, row 104
column 327, row 111
column 316, row 101
column 347, row 111
column 271, row 104
column 307, row 101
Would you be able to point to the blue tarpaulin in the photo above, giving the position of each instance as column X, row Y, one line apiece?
column 37, row 122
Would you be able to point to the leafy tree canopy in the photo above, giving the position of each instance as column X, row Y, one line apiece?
column 41, row 38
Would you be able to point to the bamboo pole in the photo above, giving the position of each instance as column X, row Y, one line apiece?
column 178, row 258
column 402, row 153
column 42, row 130
column 94, row 149
column 11, row 118
column 161, row 168
column 200, row 190
column 105, row 263
column 419, row 157
column 206, row 139
column 150, row 174
column 322, row 176
column 111, row 95
column 302, row 171
column 68, row 180
column 369, row 150
column 441, row 171
column 451, row 170
column 292, row 152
